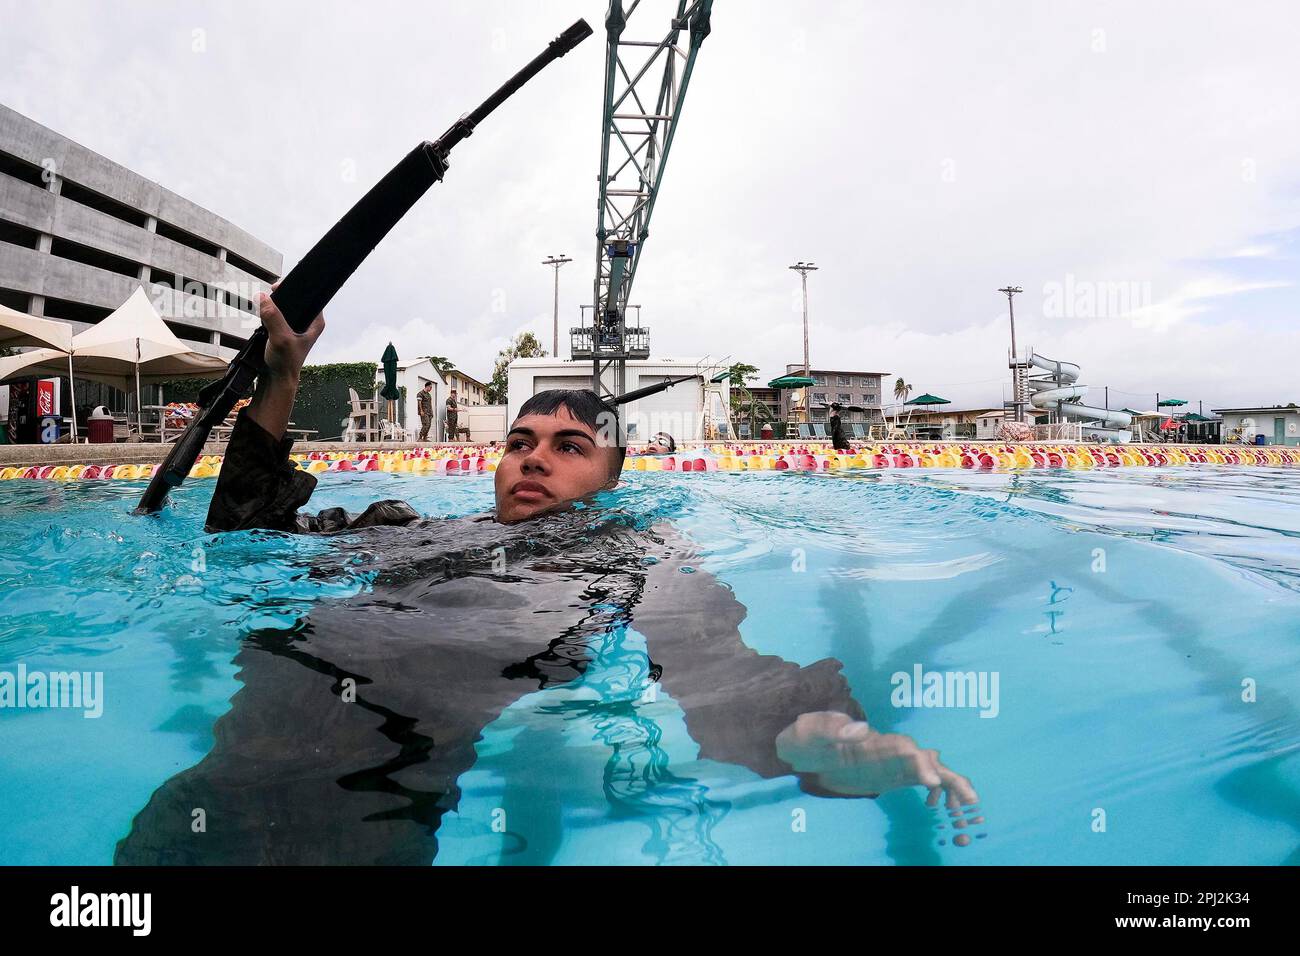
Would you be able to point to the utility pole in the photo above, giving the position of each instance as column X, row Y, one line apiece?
column 556, row 262
column 1010, row 292
column 803, row 268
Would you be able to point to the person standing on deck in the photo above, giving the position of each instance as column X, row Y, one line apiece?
column 452, row 409
column 424, row 404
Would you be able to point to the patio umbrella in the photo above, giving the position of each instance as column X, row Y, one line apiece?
column 926, row 399
column 390, row 390
column 791, row 381
column 794, row 381
column 1172, row 401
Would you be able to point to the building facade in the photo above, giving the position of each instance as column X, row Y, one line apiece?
column 683, row 411
column 469, row 390
column 957, row 424
column 79, row 233
column 858, row 392
column 1278, row 424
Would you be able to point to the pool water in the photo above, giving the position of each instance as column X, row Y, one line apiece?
column 1143, row 627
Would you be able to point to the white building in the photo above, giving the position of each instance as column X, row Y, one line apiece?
column 486, row 423
column 680, row 410
column 987, row 422
column 412, row 375
column 1279, row 424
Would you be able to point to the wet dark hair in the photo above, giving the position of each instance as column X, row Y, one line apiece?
column 669, row 441
column 585, row 406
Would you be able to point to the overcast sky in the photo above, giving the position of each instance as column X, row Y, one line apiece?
column 1134, row 166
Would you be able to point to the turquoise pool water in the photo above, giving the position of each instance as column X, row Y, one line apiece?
column 1143, row 626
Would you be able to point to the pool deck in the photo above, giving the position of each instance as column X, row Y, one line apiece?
column 139, row 453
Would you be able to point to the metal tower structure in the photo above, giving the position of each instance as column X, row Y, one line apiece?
column 645, row 86
column 1019, row 368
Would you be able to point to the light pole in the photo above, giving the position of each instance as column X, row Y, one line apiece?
column 556, row 262
column 803, row 268
column 1010, row 291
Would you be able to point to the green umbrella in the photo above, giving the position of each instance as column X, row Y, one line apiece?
column 791, row 381
column 1172, row 401
column 1193, row 417
column 928, row 399
column 794, row 381
column 389, row 391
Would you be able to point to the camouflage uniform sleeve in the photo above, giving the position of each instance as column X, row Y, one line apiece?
column 259, row 487
column 735, row 700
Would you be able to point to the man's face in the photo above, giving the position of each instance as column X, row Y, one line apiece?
column 549, row 460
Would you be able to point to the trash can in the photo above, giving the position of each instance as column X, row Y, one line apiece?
column 50, row 428
column 765, row 431
column 99, row 427
column 1261, row 439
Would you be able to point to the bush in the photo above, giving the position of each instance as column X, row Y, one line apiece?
column 323, row 400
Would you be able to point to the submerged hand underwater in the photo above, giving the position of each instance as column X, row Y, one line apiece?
column 347, row 739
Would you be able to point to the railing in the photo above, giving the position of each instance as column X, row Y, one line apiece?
column 582, row 341
column 1059, row 431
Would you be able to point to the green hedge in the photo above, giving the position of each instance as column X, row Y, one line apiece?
column 323, row 400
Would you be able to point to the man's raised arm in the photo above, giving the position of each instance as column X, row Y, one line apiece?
column 258, row 486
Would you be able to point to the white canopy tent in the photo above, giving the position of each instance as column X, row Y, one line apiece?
column 20, row 330
column 132, row 342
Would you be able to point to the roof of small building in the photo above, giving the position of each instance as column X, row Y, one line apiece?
column 1290, row 409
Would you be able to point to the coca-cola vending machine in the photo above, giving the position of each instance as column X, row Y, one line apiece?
column 34, row 411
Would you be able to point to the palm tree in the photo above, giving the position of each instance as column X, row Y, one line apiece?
column 901, row 391
column 738, row 376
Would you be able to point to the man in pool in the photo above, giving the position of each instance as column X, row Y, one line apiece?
column 345, row 742
column 662, row 444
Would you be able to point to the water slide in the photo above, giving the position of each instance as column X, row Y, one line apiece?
column 1059, row 391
